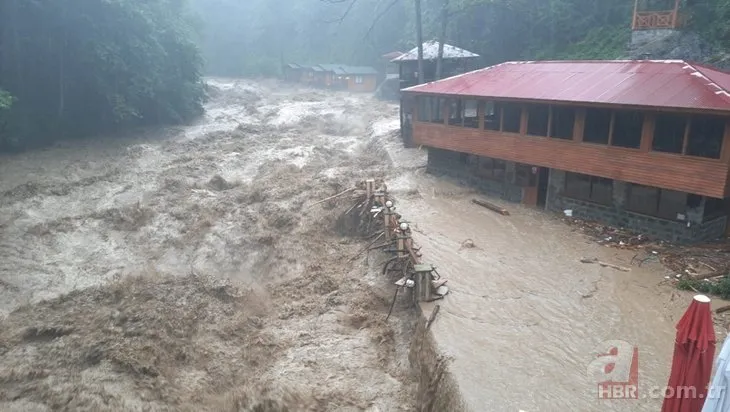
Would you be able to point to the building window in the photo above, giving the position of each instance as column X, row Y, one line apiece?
column 627, row 127
column 705, row 136
column 524, row 176
column 470, row 114
column 597, row 126
column 454, row 106
column 437, row 110
column 652, row 201
column 511, row 117
column 492, row 116
column 563, row 122
column 358, row 80
column 591, row 188
column 424, row 109
column 430, row 109
column 669, row 133
column 714, row 208
column 538, row 116
column 493, row 169
column 465, row 158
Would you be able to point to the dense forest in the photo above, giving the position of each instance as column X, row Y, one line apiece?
column 77, row 68
column 255, row 36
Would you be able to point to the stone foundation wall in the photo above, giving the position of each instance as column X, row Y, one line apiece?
column 616, row 215
column 450, row 164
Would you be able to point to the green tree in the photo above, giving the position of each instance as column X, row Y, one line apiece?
column 82, row 67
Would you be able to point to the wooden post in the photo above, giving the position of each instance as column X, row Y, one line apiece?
column 524, row 115
column 401, row 244
column 387, row 218
column 647, row 132
column 633, row 21
column 422, row 280
column 369, row 187
column 579, row 125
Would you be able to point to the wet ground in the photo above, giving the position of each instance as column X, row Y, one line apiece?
column 525, row 318
column 186, row 269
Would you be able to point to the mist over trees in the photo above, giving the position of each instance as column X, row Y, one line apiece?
column 254, row 37
column 83, row 67
column 75, row 68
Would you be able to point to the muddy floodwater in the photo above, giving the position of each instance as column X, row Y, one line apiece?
column 188, row 268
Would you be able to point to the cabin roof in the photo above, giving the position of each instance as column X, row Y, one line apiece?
column 431, row 52
column 392, row 55
column 294, row 66
column 655, row 83
column 342, row 69
column 359, row 70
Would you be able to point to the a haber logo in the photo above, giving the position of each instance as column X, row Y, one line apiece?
column 616, row 370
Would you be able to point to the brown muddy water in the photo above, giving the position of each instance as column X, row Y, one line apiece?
column 185, row 269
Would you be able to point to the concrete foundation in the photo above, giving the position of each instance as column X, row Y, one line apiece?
column 692, row 229
column 456, row 166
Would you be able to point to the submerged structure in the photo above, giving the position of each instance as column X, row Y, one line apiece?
column 639, row 144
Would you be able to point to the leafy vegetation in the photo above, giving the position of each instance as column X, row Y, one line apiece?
column 88, row 66
column 719, row 288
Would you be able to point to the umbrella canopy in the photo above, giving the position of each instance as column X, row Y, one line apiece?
column 718, row 400
column 694, row 350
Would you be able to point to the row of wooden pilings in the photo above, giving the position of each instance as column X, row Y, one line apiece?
column 418, row 277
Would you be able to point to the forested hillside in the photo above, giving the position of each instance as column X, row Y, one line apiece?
column 253, row 37
column 77, row 68
column 74, row 68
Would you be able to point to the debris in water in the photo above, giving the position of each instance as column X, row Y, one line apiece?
column 502, row 211
column 605, row 264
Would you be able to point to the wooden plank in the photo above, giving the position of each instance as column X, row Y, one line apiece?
column 502, row 211
column 647, row 132
column 702, row 176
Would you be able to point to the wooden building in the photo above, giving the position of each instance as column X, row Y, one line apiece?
column 638, row 144
column 335, row 76
column 293, row 72
column 455, row 61
column 391, row 69
column 360, row 78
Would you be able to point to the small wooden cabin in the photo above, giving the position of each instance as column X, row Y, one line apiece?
column 637, row 144
column 455, row 61
column 360, row 78
column 293, row 72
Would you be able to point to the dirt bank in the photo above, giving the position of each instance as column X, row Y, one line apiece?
column 184, row 269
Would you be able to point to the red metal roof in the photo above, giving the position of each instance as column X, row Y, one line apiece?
column 656, row 83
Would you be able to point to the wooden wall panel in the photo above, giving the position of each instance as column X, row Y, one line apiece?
column 708, row 177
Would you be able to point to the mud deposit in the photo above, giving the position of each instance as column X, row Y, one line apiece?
column 184, row 269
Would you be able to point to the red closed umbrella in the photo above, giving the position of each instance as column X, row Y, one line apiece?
column 694, row 350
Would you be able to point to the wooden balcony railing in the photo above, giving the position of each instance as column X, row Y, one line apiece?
column 646, row 20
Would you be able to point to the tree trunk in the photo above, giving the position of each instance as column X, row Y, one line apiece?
column 442, row 39
column 419, row 39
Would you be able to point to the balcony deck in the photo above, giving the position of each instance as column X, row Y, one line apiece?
column 708, row 177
